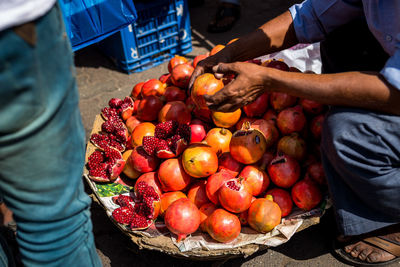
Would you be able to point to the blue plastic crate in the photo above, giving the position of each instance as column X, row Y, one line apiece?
column 89, row 21
column 161, row 31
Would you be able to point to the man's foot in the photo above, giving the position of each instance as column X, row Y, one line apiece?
column 226, row 16
column 378, row 247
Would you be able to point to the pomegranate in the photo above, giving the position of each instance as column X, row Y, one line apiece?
column 228, row 163
column 291, row 120
column 294, row 69
column 182, row 218
column 247, row 145
column 266, row 159
column 316, row 126
column 175, row 111
column 131, row 123
column 216, row 49
column 143, row 129
column 165, row 78
column 180, row 75
column 129, row 170
column 176, row 60
column 205, row 84
column 197, row 193
column 199, row 160
column 219, row 139
column 143, row 162
column 293, row 145
column 306, row 194
column 268, row 129
column 137, row 91
column 150, row 178
column 234, row 195
column 205, row 211
column 258, row 107
column 281, row 101
column 284, row 171
column 172, row 176
column 283, row 199
column 316, row 172
column 242, row 121
column 198, row 58
column 198, row 133
column 153, row 87
column 126, row 108
column 223, row 226
column 203, row 114
column 173, row 93
column 270, row 116
column 264, row 215
column 226, row 119
column 168, row 198
column 245, row 214
column 214, row 182
column 148, row 108
column 105, row 166
column 278, row 64
column 255, row 179
column 311, row 107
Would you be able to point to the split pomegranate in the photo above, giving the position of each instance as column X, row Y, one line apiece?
column 105, row 166
column 143, row 162
column 205, row 84
column 281, row 101
column 223, row 226
column 150, row 178
column 293, row 145
column 234, row 195
column 168, row 198
column 197, row 193
column 306, row 194
column 258, row 107
column 182, row 218
column 205, row 211
column 176, row 60
column 255, row 179
column 226, row 119
column 264, row 215
column 283, row 199
column 214, row 182
column 199, row 160
column 172, row 176
column 141, row 130
column 180, row 75
column 284, row 171
column 291, row 120
column 175, row 111
column 219, row 140
column 228, row 163
column 149, row 107
column 105, row 140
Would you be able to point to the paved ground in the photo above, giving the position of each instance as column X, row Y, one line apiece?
column 99, row 81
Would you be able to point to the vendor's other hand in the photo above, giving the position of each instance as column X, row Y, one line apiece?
column 250, row 83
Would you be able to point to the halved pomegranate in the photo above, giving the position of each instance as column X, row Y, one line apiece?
column 105, row 166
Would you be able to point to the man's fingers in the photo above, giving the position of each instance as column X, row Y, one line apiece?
column 225, row 68
column 199, row 70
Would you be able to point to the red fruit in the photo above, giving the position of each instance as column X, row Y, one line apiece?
column 306, row 194
column 270, row 116
column 182, row 218
column 172, row 176
column 165, row 78
column 311, row 107
column 176, row 60
column 219, row 139
column 277, row 64
column 127, row 108
column 153, row 87
column 180, row 75
column 205, row 211
column 223, row 226
column 141, row 130
column 173, row 93
column 115, row 103
column 283, row 199
column 106, row 140
column 291, row 120
column 243, row 216
column 266, row 159
column 247, row 145
column 234, row 195
column 143, row 162
column 149, row 107
column 228, row 163
column 256, row 180
column 150, row 178
column 123, row 215
column 316, row 126
column 268, row 129
column 226, row 119
column 175, row 111
column 135, row 106
column 137, row 91
column 202, row 114
column 292, row 145
column 205, row 84
column 242, row 121
column 199, row 160
column 284, row 171
column 197, row 59
column 316, row 172
column 281, row 101
column 294, row 69
column 198, row 133
column 168, row 198
column 131, row 123
column 264, row 215
column 129, row 170
column 197, row 193
column 258, row 107
column 216, row 49
column 105, row 166
column 147, row 206
column 214, row 182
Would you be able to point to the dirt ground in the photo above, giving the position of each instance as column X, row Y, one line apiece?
column 99, row 80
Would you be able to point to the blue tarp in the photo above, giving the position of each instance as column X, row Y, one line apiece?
column 90, row 21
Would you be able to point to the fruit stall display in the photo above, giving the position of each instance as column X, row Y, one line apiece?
column 182, row 179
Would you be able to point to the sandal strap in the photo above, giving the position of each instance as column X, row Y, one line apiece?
column 388, row 245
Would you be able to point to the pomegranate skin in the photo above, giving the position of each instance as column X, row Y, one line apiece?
column 223, row 226
column 234, row 196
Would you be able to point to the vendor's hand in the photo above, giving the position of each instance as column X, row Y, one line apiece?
column 250, row 83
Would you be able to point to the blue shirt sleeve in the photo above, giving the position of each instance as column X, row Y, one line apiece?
column 314, row 19
column 391, row 70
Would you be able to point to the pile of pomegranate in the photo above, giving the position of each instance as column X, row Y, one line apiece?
column 215, row 172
